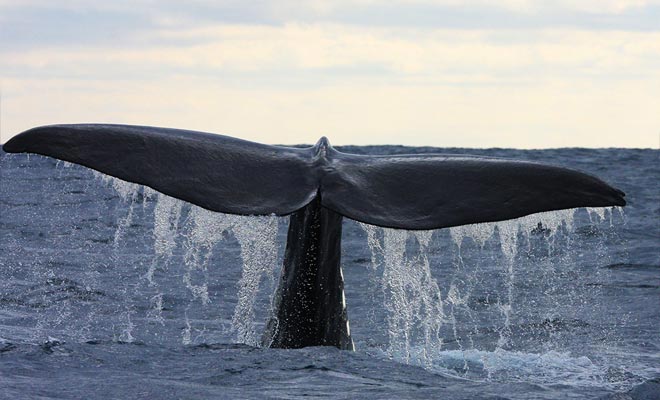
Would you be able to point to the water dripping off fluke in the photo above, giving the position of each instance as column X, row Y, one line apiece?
column 458, row 315
column 185, row 241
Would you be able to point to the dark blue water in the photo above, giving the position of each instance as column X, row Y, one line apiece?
column 112, row 291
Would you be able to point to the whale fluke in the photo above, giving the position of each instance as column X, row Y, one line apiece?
column 317, row 186
column 216, row 172
column 440, row 191
column 235, row 176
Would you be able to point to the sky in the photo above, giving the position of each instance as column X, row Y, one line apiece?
column 446, row 73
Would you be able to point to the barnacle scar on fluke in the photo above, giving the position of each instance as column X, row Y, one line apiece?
column 317, row 186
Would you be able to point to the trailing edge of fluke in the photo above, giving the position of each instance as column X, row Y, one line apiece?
column 317, row 186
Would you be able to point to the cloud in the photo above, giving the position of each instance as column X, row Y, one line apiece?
column 292, row 83
column 547, row 114
column 555, row 6
column 404, row 55
column 38, row 23
column 360, row 72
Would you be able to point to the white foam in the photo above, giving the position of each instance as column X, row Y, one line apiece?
column 552, row 367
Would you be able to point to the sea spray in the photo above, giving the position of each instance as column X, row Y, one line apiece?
column 257, row 238
column 167, row 213
column 419, row 312
column 559, row 278
column 410, row 293
column 198, row 231
column 508, row 233
column 128, row 192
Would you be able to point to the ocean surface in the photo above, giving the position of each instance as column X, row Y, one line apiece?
column 113, row 291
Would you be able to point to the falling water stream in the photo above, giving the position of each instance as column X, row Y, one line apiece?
column 197, row 231
column 440, row 325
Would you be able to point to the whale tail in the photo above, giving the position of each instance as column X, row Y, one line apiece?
column 234, row 176
column 317, row 186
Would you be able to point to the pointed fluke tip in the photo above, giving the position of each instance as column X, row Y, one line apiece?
column 13, row 145
column 620, row 201
column 24, row 141
column 611, row 196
